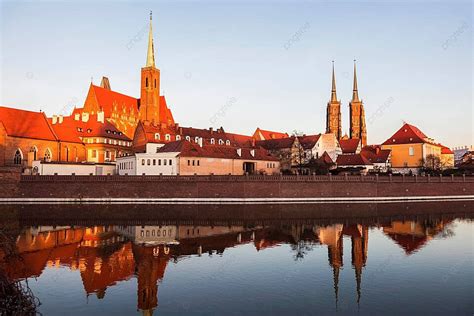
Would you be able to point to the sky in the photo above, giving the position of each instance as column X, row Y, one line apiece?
column 248, row 64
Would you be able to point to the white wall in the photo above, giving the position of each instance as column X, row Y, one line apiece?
column 70, row 168
column 149, row 164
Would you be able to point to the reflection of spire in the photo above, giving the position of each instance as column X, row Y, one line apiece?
column 335, row 274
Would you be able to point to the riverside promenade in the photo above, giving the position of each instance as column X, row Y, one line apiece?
column 215, row 189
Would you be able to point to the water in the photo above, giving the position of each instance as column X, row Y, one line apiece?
column 288, row 259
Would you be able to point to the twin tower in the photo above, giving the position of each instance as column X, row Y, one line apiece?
column 358, row 129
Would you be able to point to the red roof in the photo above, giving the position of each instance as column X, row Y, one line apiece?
column 349, row 146
column 325, row 158
column 308, row 141
column 375, row 154
column 28, row 124
column 108, row 98
column 277, row 144
column 189, row 149
column 407, row 134
column 352, row 160
column 259, row 133
column 165, row 113
column 446, row 151
column 70, row 130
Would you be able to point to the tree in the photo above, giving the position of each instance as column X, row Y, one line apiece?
column 431, row 165
column 298, row 157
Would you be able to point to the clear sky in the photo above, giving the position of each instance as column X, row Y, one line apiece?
column 251, row 63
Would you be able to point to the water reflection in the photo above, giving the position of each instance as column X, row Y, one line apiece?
column 108, row 254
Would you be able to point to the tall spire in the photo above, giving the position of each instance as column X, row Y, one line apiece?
column 333, row 90
column 150, row 57
column 355, row 92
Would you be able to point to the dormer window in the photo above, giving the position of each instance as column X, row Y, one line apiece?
column 227, row 142
column 89, row 130
column 79, row 129
column 108, row 131
column 196, row 139
column 188, row 138
column 157, row 136
column 168, row 137
column 213, row 141
column 178, row 137
column 221, row 142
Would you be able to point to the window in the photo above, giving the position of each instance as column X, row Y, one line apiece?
column 164, row 162
column 146, row 82
column 18, row 157
column 47, row 155
column 107, row 154
column 143, row 162
column 188, row 138
column 170, row 162
column 193, row 162
column 168, row 137
column 227, row 142
column 154, row 162
column 198, row 162
column 159, row 162
column 213, row 141
column 94, row 153
column 155, row 83
column 189, row 162
column 221, row 142
column 157, row 136
column 148, row 162
column 411, row 151
column 178, row 137
column 196, row 139
column 33, row 150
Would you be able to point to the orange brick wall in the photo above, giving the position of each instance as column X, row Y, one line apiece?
column 220, row 166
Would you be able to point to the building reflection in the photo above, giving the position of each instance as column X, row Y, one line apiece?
column 107, row 255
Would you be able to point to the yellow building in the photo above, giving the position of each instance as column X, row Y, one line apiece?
column 410, row 147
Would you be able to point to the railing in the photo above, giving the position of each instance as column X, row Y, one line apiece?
column 252, row 178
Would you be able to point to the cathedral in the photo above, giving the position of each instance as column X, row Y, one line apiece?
column 358, row 129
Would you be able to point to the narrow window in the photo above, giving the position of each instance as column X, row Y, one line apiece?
column 159, row 162
column 170, row 162
column 164, row 162
column 17, row 158
column 198, row 162
column 146, row 82
column 155, row 83
column 143, row 162
column 189, row 162
column 193, row 162
column 411, row 151
column 154, row 162
column 148, row 162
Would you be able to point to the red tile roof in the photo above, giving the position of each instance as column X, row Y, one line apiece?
column 325, row 158
column 108, row 98
column 189, row 149
column 349, row 146
column 71, row 130
column 165, row 113
column 446, row 150
column 352, row 160
column 407, row 134
column 277, row 144
column 375, row 154
column 308, row 141
column 28, row 124
column 268, row 134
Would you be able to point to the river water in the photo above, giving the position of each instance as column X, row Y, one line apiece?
column 242, row 259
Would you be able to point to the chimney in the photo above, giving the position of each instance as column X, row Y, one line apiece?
column 252, row 152
column 85, row 116
column 239, row 152
column 54, row 119
column 211, row 130
column 77, row 117
column 60, row 119
column 377, row 150
column 101, row 116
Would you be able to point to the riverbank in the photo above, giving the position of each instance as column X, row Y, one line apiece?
column 252, row 189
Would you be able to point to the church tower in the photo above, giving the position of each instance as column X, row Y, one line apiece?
column 150, row 86
column 333, row 111
column 358, row 128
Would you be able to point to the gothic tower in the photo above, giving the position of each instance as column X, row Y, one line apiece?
column 333, row 111
column 357, row 114
column 150, row 86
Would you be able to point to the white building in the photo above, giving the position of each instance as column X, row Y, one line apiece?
column 46, row 168
column 151, row 162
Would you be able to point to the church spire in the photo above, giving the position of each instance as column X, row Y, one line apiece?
column 333, row 90
column 355, row 92
column 150, row 58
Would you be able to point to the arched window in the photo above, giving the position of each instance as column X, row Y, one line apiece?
column 155, row 83
column 213, row 141
column 33, row 150
column 178, row 137
column 18, row 157
column 196, row 139
column 146, row 82
column 157, row 136
column 47, row 155
column 168, row 137
column 188, row 138
column 221, row 142
column 227, row 142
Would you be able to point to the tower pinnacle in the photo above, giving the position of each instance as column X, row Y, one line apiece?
column 150, row 58
column 355, row 92
column 333, row 90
